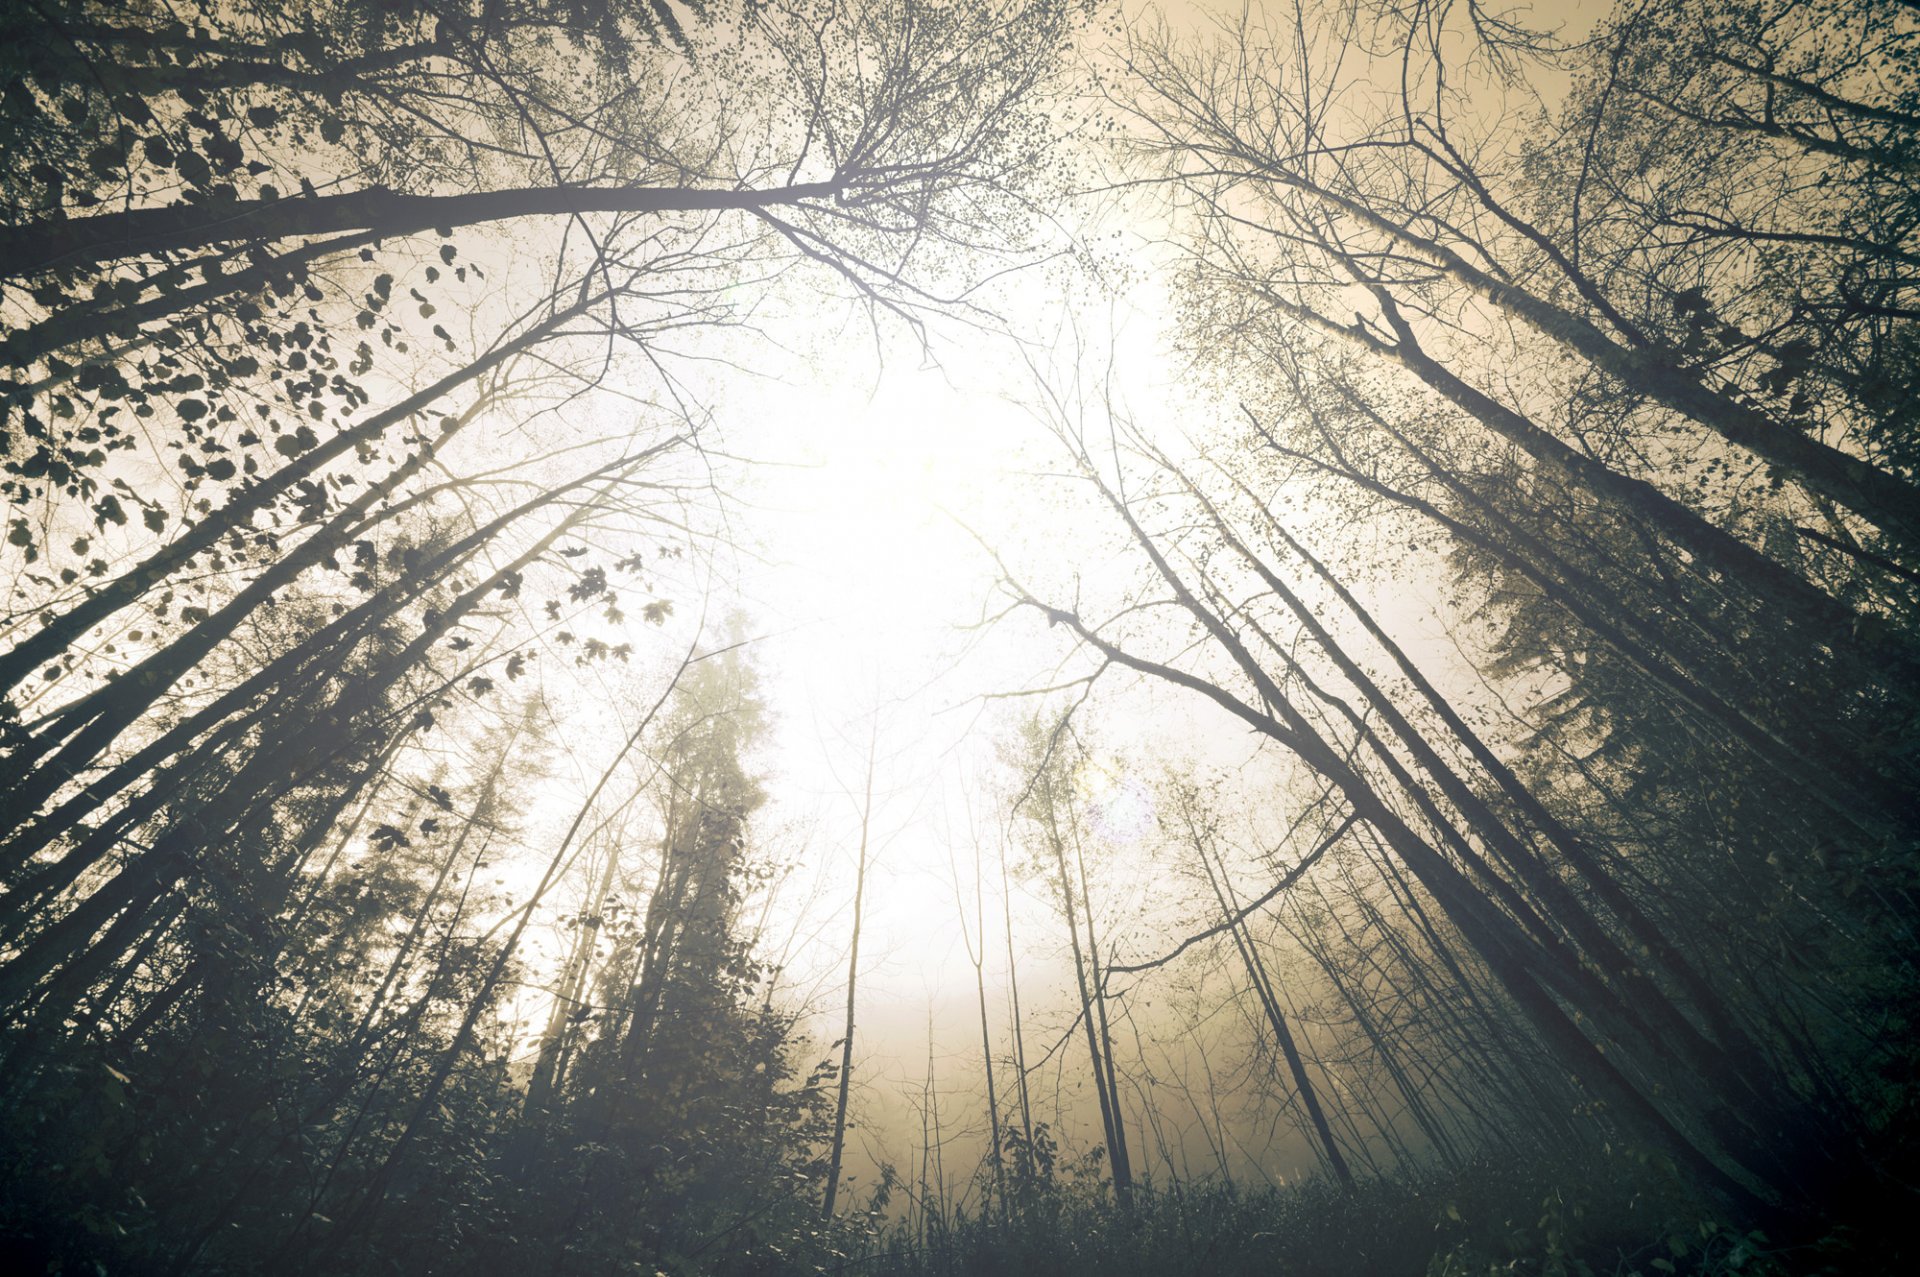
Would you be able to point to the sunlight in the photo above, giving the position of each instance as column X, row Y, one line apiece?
column 859, row 505
column 1145, row 634
column 1120, row 806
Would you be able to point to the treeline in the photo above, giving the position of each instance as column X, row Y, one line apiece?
column 1629, row 363
column 300, row 620
column 353, row 407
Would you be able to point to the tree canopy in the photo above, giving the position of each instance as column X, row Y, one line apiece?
column 1452, row 760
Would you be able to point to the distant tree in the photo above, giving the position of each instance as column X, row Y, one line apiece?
column 1048, row 760
column 682, row 1119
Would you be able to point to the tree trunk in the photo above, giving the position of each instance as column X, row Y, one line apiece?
column 68, row 243
column 853, row 976
column 1282, row 1036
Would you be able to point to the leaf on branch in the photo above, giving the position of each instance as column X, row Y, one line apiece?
column 387, row 837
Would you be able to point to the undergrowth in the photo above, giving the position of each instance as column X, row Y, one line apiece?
column 1620, row 1218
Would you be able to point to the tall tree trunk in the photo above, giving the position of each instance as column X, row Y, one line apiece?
column 561, row 1026
column 102, row 320
column 978, row 953
column 853, row 977
column 1877, row 495
column 58, row 633
column 1282, row 1035
column 1013, row 997
column 1122, row 1154
column 1089, row 1018
column 71, row 243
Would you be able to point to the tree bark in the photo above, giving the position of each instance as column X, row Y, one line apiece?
column 853, row 976
column 68, row 243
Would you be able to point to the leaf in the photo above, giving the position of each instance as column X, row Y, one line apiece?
column 105, row 161
column 193, row 168
column 592, row 582
column 292, row 445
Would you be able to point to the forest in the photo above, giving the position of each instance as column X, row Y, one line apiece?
column 960, row 637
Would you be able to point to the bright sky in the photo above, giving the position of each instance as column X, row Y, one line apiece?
column 854, row 476
column 869, row 596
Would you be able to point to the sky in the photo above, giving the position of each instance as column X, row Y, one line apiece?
column 869, row 479
column 876, row 499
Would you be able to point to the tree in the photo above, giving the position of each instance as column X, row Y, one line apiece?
column 1593, row 1007
column 1049, row 759
column 295, row 290
column 853, row 980
column 681, row 1117
column 1400, row 205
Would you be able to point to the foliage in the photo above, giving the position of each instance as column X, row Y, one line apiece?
column 1492, row 1216
column 352, row 436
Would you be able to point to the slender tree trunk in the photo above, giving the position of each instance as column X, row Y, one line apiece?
column 101, row 321
column 60, row 632
column 979, row 955
column 1013, row 995
column 561, row 1027
column 1123, row 1154
column 1116, row 1153
column 70, row 243
column 1877, row 495
column 1282, row 1036
column 853, row 977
